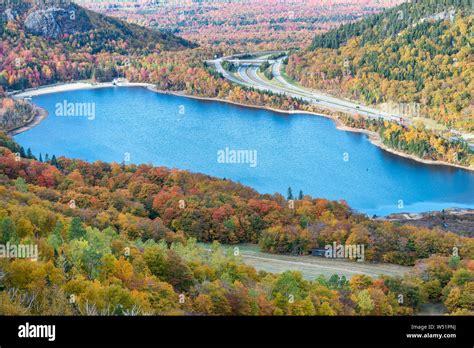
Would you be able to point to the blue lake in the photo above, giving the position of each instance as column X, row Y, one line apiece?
column 302, row 151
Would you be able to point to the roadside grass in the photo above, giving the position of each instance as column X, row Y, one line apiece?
column 273, row 82
column 429, row 123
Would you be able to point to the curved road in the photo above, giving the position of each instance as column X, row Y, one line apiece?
column 247, row 75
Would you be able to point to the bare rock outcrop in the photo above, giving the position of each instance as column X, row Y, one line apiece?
column 53, row 22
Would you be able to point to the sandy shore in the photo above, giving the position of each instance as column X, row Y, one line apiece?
column 41, row 113
column 73, row 86
column 373, row 137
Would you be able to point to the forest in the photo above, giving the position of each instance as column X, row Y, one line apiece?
column 32, row 61
column 419, row 52
column 15, row 113
column 119, row 239
column 415, row 140
column 389, row 23
column 240, row 24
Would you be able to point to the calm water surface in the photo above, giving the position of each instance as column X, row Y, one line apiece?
column 302, row 151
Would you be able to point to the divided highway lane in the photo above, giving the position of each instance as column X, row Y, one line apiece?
column 330, row 101
column 228, row 76
column 315, row 98
column 246, row 73
column 218, row 64
column 248, row 76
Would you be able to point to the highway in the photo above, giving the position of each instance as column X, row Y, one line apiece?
column 227, row 75
column 247, row 75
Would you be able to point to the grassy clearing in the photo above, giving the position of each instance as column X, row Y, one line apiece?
column 310, row 266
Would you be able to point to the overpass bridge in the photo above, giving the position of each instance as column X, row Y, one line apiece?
column 246, row 58
column 249, row 61
column 247, row 75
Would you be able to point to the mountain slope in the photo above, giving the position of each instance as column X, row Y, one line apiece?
column 390, row 22
column 44, row 45
column 414, row 53
column 60, row 22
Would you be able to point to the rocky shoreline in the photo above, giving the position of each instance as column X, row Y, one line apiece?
column 456, row 220
column 40, row 115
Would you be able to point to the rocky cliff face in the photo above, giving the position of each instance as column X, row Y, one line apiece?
column 53, row 22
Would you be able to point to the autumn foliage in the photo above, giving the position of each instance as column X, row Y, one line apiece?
column 116, row 240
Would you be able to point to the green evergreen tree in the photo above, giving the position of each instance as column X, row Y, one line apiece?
column 290, row 194
column 56, row 238
column 54, row 161
column 76, row 230
column 22, row 152
column 8, row 231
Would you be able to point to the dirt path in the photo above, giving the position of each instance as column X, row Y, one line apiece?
column 311, row 266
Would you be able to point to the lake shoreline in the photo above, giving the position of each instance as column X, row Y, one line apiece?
column 373, row 137
column 42, row 113
column 39, row 116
